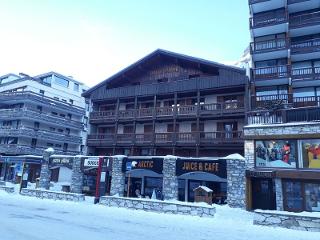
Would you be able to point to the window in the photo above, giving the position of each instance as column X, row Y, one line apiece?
column 275, row 153
column 47, row 80
column 62, row 115
column 63, row 100
column 76, row 87
column 52, row 129
column 70, row 101
column 49, row 144
column 301, row 195
column 36, row 125
column 54, row 113
column 68, row 131
column 33, row 142
column 41, row 92
column 309, row 153
column 39, row 108
column 194, row 76
column 162, row 80
column 60, row 130
column 56, row 98
column 61, row 81
column 65, row 146
column 58, row 146
column 69, row 116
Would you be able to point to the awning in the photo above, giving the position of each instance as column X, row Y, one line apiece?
column 139, row 173
column 202, row 176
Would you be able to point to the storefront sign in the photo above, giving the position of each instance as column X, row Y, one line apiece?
column 61, row 162
column 153, row 164
column 217, row 167
column 90, row 163
column 260, row 174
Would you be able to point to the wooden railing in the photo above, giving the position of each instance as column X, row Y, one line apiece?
column 228, row 107
column 305, row 46
column 269, row 45
column 268, row 18
column 311, row 73
column 273, row 72
column 164, row 138
column 306, row 19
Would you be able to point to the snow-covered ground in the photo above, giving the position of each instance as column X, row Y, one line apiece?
column 24, row 218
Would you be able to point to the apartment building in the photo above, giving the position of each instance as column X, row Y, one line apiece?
column 40, row 112
column 169, row 104
column 282, row 138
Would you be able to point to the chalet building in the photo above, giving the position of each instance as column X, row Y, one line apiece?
column 169, row 104
column 40, row 112
column 282, row 138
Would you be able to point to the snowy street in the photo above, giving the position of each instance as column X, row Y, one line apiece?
column 30, row 218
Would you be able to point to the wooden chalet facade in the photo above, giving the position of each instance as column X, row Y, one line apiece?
column 169, row 103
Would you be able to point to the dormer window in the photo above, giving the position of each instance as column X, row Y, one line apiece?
column 162, row 80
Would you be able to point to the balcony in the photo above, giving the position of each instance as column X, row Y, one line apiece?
column 307, row 73
column 38, row 98
column 19, row 149
column 271, row 73
column 213, row 109
column 33, row 114
column 257, row 1
column 26, row 132
column 305, row 49
column 269, row 49
column 305, row 20
column 269, row 18
column 166, row 139
column 296, row 1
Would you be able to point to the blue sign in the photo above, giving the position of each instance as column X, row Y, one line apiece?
column 128, row 166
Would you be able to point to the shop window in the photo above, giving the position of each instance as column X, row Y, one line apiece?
column 301, row 196
column 76, row 87
column 293, row 200
column 275, row 153
column 153, row 185
column 61, row 81
column 312, row 197
column 310, row 154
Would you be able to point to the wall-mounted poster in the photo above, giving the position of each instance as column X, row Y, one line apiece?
column 276, row 153
column 310, row 153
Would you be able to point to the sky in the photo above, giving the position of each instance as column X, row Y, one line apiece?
column 91, row 40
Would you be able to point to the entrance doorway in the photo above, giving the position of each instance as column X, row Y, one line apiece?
column 263, row 194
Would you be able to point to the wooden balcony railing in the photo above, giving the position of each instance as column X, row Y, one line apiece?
column 269, row 45
column 165, row 111
column 306, row 73
column 268, row 19
column 165, row 138
column 305, row 46
column 265, row 117
column 273, row 72
column 306, row 19
column 228, row 107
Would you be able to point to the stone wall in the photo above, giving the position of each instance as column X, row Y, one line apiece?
column 38, row 193
column 77, row 176
column 159, row 206
column 170, row 180
column 291, row 221
column 279, row 194
column 282, row 129
column 7, row 189
column 236, row 189
column 118, row 177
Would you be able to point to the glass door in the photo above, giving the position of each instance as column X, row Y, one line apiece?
column 263, row 195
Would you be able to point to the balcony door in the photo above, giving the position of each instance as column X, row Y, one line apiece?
column 227, row 129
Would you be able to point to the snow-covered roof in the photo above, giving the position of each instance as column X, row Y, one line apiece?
column 204, row 188
column 235, row 156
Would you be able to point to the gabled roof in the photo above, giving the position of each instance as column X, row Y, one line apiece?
column 161, row 52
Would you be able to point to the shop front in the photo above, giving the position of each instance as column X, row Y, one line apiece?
column 193, row 173
column 286, row 175
column 96, row 172
column 61, row 171
column 143, row 177
column 13, row 166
